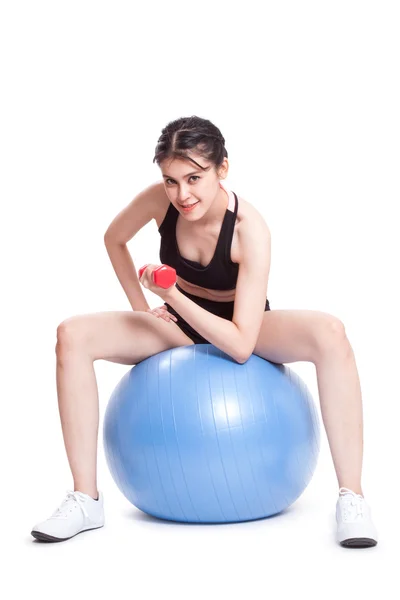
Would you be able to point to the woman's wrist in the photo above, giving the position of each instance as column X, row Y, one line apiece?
column 169, row 294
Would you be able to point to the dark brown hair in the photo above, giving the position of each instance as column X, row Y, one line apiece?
column 191, row 133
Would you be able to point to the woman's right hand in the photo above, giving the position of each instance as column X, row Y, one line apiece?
column 162, row 312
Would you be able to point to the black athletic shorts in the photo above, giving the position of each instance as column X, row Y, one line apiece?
column 221, row 309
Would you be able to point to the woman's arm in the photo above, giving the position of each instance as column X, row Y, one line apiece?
column 239, row 336
column 125, row 271
column 140, row 211
column 252, row 283
column 218, row 331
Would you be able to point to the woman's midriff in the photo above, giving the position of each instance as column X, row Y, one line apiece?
column 215, row 295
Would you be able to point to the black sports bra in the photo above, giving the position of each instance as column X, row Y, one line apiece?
column 221, row 273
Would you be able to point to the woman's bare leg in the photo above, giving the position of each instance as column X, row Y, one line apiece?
column 79, row 413
column 121, row 337
column 304, row 335
column 342, row 412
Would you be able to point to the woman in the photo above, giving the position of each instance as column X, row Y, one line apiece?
column 219, row 245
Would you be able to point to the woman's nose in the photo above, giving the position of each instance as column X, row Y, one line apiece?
column 183, row 194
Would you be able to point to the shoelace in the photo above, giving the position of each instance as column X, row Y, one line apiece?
column 71, row 498
column 356, row 500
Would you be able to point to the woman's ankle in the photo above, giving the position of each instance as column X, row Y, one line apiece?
column 90, row 491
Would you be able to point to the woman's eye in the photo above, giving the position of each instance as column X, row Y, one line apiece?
column 192, row 177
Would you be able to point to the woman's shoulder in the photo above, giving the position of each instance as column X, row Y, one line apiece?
column 250, row 228
column 247, row 214
column 163, row 203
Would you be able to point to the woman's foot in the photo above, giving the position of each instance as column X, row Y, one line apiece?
column 78, row 512
column 355, row 528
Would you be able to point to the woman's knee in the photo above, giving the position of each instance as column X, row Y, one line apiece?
column 331, row 333
column 72, row 333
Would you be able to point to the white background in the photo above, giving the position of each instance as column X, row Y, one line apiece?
column 307, row 96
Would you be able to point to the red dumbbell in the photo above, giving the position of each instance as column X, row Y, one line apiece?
column 164, row 276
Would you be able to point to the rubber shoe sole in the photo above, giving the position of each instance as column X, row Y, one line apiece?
column 358, row 543
column 44, row 537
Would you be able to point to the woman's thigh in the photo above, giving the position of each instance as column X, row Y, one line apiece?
column 297, row 335
column 121, row 337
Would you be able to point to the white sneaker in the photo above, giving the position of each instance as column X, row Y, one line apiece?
column 355, row 528
column 78, row 512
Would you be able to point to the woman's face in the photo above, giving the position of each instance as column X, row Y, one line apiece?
column 188, row 185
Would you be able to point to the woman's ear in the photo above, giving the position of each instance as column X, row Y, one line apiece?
column 223, row 169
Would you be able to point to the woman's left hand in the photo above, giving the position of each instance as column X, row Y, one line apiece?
column 147, row 281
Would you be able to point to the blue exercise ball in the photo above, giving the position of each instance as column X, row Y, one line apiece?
column 191, row 435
